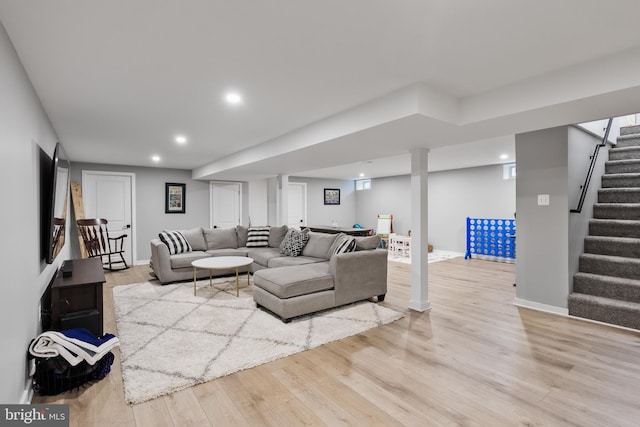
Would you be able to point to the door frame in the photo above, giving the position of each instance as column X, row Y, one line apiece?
column 303, row 185
column 134, row 228
column 211, row 185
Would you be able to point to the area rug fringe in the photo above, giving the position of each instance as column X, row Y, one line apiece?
column 171, row 340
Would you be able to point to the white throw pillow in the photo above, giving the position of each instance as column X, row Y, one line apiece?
column 258, row 237
column 175, row 241
column 345, row 244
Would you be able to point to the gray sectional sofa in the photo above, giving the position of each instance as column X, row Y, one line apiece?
column 288, row 286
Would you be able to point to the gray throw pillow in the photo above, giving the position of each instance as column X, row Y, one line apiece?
column 319, row 245
column 367, row 243
column 221, row 238
column 243, row 233
column 276, row 236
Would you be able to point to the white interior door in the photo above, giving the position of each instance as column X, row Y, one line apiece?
column 297, row 204
column 109, row 195
column 225, row 204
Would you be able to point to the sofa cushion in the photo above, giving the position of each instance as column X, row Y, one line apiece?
column 221, row 238
column 276, row 235
column 175, row 241
column 293, row 281
column 258, row 237
column 227, row 252
column 294, row 243
column 284, row 261
column 343, row 245
column 195, row 237
column 243, row 233
column 263, row 255
column 185, row 259
column 365, row 243
column 319, row 245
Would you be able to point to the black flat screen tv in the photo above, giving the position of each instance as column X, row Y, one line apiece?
column 55, row 218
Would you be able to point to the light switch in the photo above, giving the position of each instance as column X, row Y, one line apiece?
column 543, row 200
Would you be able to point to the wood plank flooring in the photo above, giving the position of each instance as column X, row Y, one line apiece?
column 473, row 360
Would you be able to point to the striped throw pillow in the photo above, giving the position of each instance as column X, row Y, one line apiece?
column 258, row 237
column 346, row 244
column 175, row 241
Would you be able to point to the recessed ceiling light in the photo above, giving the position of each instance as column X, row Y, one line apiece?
column 361, row 174
column 181, row 139
column 155, row 158
column 504, row 156
column 233, row 98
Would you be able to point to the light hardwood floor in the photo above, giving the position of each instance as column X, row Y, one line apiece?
column 474, row 360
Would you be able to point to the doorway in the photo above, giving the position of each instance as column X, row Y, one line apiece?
column 111, row 195
column 297, row 201
column 226, row 209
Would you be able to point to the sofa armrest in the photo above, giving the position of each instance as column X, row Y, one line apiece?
column 160, row 261
column 359, row 275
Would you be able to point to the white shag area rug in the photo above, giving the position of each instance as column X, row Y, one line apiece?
column 171, row 339
column 435, row 256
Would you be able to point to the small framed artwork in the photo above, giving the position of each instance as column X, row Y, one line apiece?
column 331, row 196
column 175, row 197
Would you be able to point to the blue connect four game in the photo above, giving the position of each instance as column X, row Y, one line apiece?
column 491, row 237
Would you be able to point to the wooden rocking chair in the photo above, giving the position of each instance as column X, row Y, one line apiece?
column 95, row 236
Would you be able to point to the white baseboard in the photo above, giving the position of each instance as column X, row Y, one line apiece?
column 141, row 262
column 541, row 307
column 597, row 322
column 564, row 312
column 27, row 394
column 420, row 306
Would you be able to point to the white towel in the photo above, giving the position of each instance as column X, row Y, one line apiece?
column 74, row 351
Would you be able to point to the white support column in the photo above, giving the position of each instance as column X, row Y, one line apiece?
column 283, row 200
column 419, row 241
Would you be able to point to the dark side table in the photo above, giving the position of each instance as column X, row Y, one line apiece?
column 76, row 301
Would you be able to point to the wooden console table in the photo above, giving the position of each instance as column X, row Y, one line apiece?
column 345, row 230
column 76, row 301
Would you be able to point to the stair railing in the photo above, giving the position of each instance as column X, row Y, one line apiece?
column 592, row 165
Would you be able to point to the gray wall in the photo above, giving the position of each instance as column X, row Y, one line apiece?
column 24, row 131
column 453, row 196
column 391, row 195
column 320, row 214
column 581, row 145
column 543, row 231
column 150, row 216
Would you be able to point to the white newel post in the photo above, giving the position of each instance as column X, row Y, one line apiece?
column 282, row 214
column 419, row 241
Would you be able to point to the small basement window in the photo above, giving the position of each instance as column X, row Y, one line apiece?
column 363, row 184
column 509, row 171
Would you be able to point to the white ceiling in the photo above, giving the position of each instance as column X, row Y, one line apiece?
column 325, row 83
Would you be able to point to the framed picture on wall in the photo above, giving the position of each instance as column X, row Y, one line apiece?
column 331, row 196
column 175, row 197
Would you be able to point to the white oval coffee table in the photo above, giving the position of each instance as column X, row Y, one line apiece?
column 221, row 263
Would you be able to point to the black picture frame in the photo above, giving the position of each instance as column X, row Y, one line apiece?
column 331, row 196
column 175, row 198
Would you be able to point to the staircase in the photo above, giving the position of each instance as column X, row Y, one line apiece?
column 607, row 286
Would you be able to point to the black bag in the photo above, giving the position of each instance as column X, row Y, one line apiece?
column 54, row 375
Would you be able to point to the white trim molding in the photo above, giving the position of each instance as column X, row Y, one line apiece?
column 540, row 307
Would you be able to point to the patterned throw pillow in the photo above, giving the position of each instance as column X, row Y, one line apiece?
column 294, row 242
column 175, row 241
column 344, row 245
column 258, row 237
